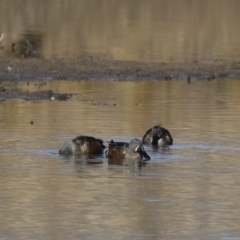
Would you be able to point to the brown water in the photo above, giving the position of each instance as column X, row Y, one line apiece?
column 190, row 190
column 155, row 30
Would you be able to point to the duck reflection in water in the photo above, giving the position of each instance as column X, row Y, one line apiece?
column 83, row 159
column 121, row 153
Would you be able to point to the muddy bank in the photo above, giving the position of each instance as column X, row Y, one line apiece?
column 25, row 69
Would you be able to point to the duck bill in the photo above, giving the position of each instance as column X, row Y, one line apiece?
column 144, row 154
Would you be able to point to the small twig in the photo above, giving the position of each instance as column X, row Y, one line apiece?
column 25, row 93
column 18, row 77
column 2, row 36
column 15, row 93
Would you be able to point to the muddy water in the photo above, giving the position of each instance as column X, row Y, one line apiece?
column 204, row 31
column 188, row 191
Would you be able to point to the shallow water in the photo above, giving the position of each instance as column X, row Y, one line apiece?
column 187, row 191
column 162, row 30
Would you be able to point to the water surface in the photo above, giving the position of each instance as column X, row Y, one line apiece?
column 162, row 30
column 187, row 191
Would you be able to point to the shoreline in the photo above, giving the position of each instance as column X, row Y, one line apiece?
column 96, row 68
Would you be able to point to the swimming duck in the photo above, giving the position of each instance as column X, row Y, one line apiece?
column 157, row 136
column 121, row 150
column 83, row 145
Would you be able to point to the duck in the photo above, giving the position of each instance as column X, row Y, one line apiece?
column 83, row 145
column 133, row 150
column 157, row 136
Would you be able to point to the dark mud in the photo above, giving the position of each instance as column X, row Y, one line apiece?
column 11, row 93
column 87, row 68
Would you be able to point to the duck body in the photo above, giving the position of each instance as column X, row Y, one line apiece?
column 157, row 136
column 121, row 150
column 82, row 145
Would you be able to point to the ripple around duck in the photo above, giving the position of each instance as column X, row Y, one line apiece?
column 176, row 152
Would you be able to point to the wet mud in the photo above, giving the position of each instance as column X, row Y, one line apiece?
column 94, row 67
column 11, row 93
column 31, row 69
